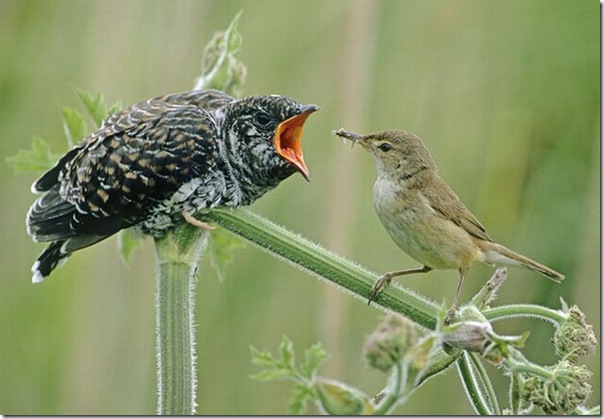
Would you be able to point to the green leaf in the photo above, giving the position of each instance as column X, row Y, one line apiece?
column 128, row 240
column 313, row 358
column 114, row 108
column 95, row 105
column 220, row 69
column 38, row 158
column 284, row 367
column 300, row 395
column 275, row 368
column 220, row 250
column 74, row 126
column 271, row 374
column 262, row 357
column 286, row 350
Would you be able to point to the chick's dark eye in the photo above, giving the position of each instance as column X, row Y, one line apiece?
column 385, row 147
column 262, row 119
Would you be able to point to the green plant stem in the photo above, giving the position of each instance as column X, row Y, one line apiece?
column 486, row 382
column 515, row 391
column 177, row 255
column 472, row 387
column 322, row 263
column 394, row 393
column 525, row 310
column 528, row 368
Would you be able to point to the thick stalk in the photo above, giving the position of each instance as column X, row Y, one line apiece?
column 177, row 255
column 322, row 263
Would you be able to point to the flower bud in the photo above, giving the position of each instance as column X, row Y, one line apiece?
column 336, row 398
column 390, row 342
column 561, row 393
column 574, row 338
column 469, row 335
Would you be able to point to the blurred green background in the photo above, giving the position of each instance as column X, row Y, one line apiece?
column 504, row 94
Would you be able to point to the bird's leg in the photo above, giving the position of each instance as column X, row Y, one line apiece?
column 195, row 222
column 451, row 312
column 384, row 280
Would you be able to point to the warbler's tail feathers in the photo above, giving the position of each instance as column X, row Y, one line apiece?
column 497, row 253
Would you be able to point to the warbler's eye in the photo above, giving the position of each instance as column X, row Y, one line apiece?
column 385, row 147
column 262, row 119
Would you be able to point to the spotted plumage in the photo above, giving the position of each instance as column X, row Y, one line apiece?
column 152, row 161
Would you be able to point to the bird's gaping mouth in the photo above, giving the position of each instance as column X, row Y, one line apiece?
column 288, row 139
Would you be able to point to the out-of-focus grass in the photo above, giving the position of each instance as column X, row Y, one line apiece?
column 505, row 95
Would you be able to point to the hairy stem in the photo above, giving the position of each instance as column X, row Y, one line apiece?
column 486, row 382
column 394, row 393
column 322, row 263
column 177, row 255
column 471, row 385
column 525, row 310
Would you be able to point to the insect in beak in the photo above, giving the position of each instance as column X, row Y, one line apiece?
column 352, row 136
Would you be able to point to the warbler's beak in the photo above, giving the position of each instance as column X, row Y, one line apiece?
column 288, row 139
column 352, row 136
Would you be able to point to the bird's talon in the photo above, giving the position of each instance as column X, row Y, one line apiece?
column 378, row 287
column 450, row 315
column 197, row 223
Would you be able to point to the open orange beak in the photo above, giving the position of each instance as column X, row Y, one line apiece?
column 288, row 139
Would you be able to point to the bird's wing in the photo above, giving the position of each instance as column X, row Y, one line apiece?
column 204, row 99
column 140, row 156
column 130, row 119
column 447, row 204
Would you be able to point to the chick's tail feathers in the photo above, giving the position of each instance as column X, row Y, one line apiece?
column 497, row 253
column 48, row 261
column 57, row 253
column 52, row 219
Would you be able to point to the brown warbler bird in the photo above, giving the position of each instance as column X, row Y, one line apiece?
column 423, row 215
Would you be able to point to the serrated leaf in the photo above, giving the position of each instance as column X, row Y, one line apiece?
column 220, row 68
column 128, row 241
column 286, row 351
column 233, row 38
column 95, row 105
column 74, row 126
column 39, row 157
column 220, row 250
column 271, row 374
column 262, row 357
column 297, row 402
column 114, row 108
column 313, row 358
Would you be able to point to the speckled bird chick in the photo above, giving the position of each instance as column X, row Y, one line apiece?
column 153, row 162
